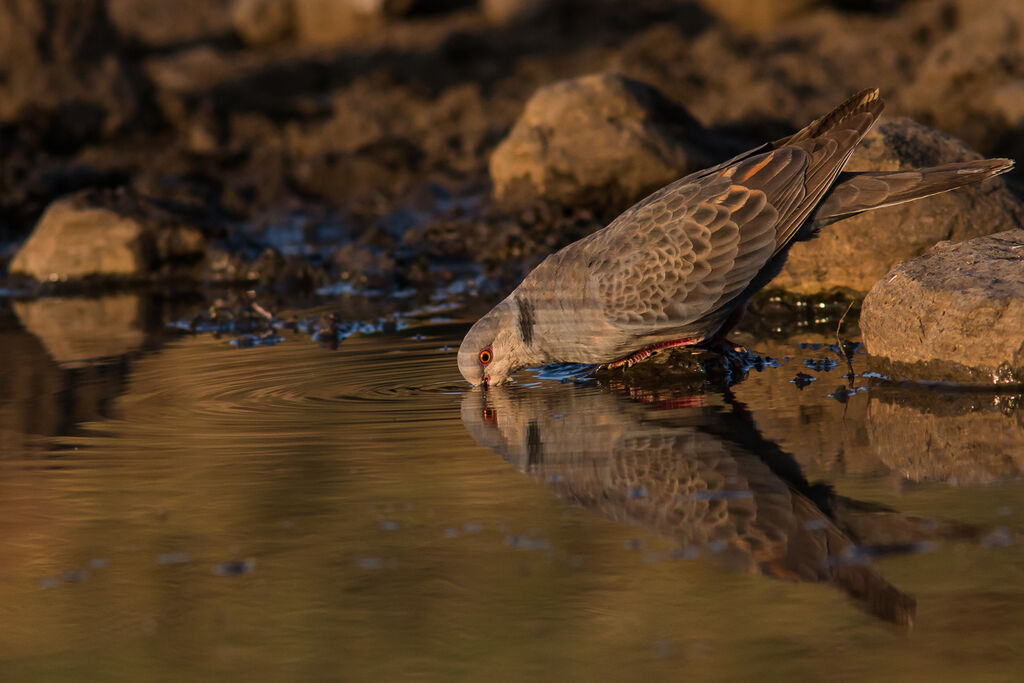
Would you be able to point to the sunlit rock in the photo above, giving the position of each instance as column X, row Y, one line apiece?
column 98, row 235
column 957, row 311
column 600, row 139
column 857, row 252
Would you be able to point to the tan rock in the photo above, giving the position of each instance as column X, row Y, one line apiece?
column 957, row 306
column 856, row 252
column 600, row 139
column 77, row 238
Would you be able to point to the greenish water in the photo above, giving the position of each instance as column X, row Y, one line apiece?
column 186, row 510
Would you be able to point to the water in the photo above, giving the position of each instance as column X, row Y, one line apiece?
column 180, row 508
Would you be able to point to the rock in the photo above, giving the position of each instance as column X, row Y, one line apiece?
column 510, row 11
column 61, row 68
column 77, row 331
column 957, row 312
column 855, row 253
column 261, row 22
column 600, row 139
column 160, row 23
column 330, row 22
column 94, row 234
column 971, row 80
column 757, row 17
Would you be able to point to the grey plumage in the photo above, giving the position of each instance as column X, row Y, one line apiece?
column 679, row 263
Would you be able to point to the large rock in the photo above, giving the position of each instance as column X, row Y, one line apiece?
column 100, row 235
column 957, row 312
column 856, row 252
column 600, row 139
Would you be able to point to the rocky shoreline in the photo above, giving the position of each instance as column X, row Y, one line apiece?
column 386, row 145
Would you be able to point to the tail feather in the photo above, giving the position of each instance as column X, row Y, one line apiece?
column 855, row 193
column 854, row 105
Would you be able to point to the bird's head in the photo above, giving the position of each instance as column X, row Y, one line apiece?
column 493, row 348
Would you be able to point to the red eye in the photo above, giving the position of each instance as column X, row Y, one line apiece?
column 486, row 356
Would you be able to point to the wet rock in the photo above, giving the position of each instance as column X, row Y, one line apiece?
column 261, row 22
column 95, row 234
column 856, row 252
column 957, row 308
column 600, row 139
column 60, row 66
column 77, row 331
column 160, row 23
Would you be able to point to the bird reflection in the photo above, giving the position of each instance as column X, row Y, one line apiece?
column 702, row 476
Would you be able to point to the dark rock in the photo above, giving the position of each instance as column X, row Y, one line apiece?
column 159, row 23
column 957, row 308
column 102, row 234
column 856, row 252
column 972, row 80
column 60, row 61
column 600, row 139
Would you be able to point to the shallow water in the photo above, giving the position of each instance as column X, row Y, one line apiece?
column 183, row 508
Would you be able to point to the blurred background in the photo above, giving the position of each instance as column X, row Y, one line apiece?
column 304, row 142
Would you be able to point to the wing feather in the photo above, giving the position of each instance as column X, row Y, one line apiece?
column 678, row 261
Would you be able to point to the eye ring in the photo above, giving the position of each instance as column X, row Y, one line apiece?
column 486, row 355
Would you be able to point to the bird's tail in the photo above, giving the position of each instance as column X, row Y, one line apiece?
column 854, row 193
column 865, row 101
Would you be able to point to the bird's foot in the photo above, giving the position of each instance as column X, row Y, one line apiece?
column 647, row 351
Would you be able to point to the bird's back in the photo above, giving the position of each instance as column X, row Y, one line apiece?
column 679, row 261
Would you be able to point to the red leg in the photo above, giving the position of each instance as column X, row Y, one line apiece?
column 652, row 348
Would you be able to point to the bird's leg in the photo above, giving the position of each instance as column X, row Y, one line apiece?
column 650, row 349
column 721, row 337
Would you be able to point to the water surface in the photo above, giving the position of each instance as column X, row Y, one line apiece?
column 183, row 508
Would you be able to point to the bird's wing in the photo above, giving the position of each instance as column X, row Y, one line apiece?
column 678, row 255
column 676, row 259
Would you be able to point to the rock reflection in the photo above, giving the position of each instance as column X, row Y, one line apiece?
column 959, row 438
column 703, row 477
column 77, row 331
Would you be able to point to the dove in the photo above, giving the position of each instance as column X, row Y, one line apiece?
column 677, row 268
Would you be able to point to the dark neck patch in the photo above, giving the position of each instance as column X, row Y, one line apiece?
column 526, row 319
